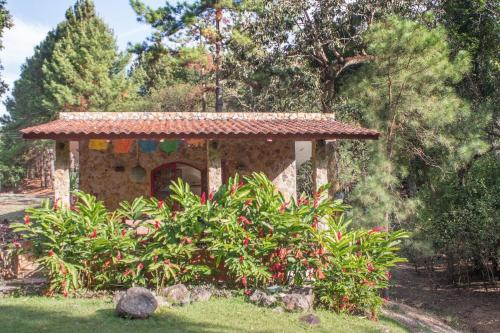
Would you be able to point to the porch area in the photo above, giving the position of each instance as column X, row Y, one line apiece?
column 205, row 150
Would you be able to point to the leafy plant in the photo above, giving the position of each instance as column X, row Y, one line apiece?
column 245, row 234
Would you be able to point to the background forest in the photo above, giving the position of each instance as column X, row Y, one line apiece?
column 425, row 73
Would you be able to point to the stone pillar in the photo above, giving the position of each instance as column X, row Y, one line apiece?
column 61, row 173
column 214, row 166
column 323, row 165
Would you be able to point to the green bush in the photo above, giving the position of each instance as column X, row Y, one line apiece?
column 245, row 234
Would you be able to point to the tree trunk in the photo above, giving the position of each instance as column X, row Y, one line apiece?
column 218, row 61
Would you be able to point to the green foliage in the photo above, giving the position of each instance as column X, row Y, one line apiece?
column 462, row 221
column 406, row 94
column 245, row 233
column 84, row 71
column 76, row 67
column 5, row 23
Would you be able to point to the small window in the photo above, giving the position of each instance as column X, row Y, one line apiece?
column 163, row 176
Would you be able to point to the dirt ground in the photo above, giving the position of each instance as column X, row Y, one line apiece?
column 474, row 309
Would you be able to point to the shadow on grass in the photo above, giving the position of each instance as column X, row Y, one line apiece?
column 94, row 316
column 27, row 318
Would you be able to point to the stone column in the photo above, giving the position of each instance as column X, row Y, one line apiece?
column 323, row 165
column 214, row 166
column 61, row 173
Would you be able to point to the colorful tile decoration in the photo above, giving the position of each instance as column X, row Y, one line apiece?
column 122, row 146
column 169, row 146
column 98, row 144
column 148, row 146
column 195, row 142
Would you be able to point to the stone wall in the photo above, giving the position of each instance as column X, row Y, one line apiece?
column 100, row 176
column 275, row 158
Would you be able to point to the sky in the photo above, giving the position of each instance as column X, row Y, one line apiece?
column 34, row 18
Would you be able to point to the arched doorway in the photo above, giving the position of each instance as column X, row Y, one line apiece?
column 162, row 177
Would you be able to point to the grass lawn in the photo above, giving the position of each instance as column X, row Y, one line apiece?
column 38, row 314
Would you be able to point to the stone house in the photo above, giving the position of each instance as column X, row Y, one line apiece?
column 119, row 157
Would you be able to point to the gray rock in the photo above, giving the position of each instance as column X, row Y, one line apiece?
column 296, row 302
column 307, row 292
column 261, row 298
column 117, row 296
column 310, row 319
column 201, row 295
column 278, row 309
column 162, row 301
column 136, row 303
column 177, row 294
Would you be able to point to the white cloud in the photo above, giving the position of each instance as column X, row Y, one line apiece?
column 19, row 43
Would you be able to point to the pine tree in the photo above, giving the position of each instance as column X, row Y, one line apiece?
column 76, row 67
column 406, row 94
column 85, row 70
column 5, row 23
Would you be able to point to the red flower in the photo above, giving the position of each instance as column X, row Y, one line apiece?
column 140, row 266
column 248, row 292
column 118, row 255
column 211, row 196
column 51, row 253
column 16, row 244
column 244, row 220
column 124, row 232
column 244, row 281
column 203, row 198
column 246, row 241
column 26, row 220
column 261, row 233
column 302, row 201
column 370, row 267
column 160, row 204
column 378, row 229
column 386, row 299
column 242, row 259
column 314, row 224
column 94, row 233
column 157, row 225
column 388, row 275
column 186, row 240
column 155, row 259
column 283, row 207
column 56, row 204
column 315, row 203
column 277, row 267
column 339, row 235
column 320, row 275
column 167, row 262
column 321, row 251
column 247, row 203
column 65, row 293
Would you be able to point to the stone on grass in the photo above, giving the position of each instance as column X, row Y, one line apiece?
column 261, row 298
column 310, row 319
column 117, row 296
column 278, row 310
column 162, row 301
column 201, row 294
column 177, row 294
column 299, row 299
column 136, row 303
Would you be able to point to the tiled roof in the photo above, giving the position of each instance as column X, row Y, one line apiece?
column 108, row 125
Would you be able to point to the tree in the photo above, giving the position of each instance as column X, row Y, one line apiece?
column 5, row 23
column 85, row 70
column 76, row 67
column 405, row 93
column 201, row 22
column 313, row 43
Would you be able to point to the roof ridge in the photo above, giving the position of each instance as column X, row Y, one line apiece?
column 195, row 116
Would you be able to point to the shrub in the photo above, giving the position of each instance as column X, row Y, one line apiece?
column 246, row 234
